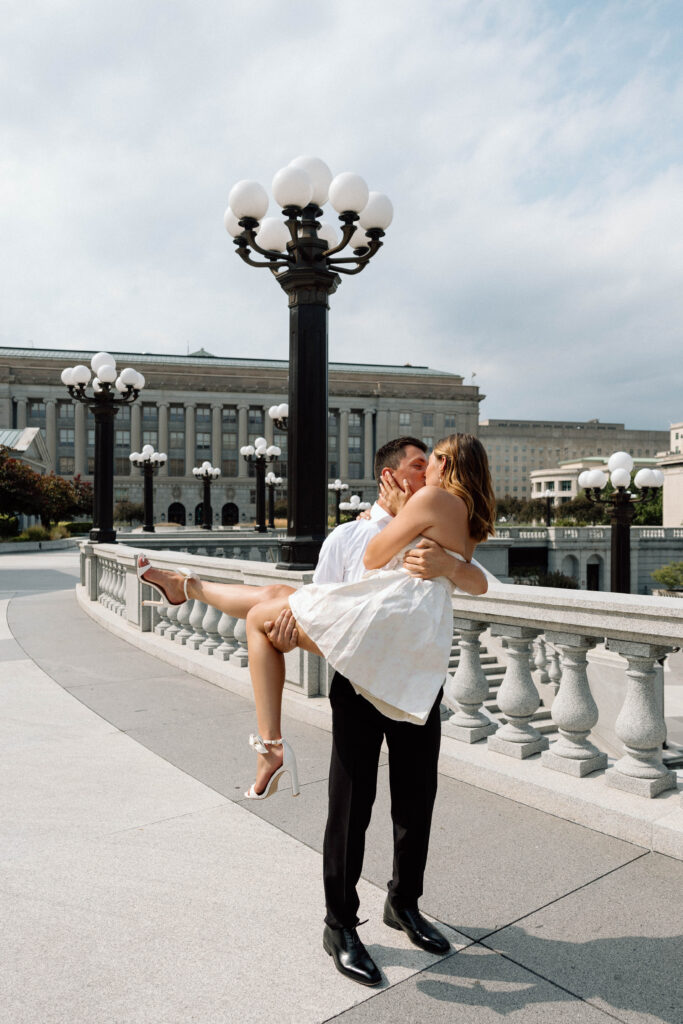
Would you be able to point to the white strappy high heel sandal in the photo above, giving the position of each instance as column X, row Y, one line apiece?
column 143, row 566
column 288, row 765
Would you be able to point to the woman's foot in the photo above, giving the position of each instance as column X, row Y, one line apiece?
column 171, row 583
column 266, row 766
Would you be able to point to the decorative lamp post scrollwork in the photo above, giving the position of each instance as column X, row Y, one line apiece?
column 354, row 505
column 337, row 487
column 110, row 391
column 279, row 414
column 260, row 454
column 620, row 505
column 206, row 472
column 272, row 482
column 148, row 461
column 305, row 255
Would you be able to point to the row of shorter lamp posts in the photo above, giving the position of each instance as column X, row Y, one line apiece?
column 206, row 473
column 260, row 454
column 272, row 481
column 337, row 487
column 110, row 391
column 354, row 506
column 148, row 461
column 305, row 256
column 620, row 504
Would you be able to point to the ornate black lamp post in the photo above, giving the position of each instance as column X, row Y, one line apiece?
column 206, row 472
column 621, row 507
column 272, row 482
column 104, row 405
column 260, row 453
column 279, row 414
column 337, row 487
column 301, row 252
column 354, row 505
column 148, row 461
column 549, row 496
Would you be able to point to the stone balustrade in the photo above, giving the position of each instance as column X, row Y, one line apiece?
column 546, row 635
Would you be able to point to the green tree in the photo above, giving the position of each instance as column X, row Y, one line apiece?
column 670, row 576
column 128, row 512
column 84, row 496
column 19, row 486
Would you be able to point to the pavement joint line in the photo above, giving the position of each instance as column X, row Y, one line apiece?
column 556, row 984
column 544, row 906
column 171, row 817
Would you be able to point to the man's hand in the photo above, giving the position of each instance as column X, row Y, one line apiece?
column 428, row 560
column 283, row 633
column 394, row 496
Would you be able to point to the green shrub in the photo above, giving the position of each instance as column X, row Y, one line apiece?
column 670, row 576
column 76, row 529
column 59, row 532
column 33, row 533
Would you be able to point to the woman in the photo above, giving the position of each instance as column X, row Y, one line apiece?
column 390, row 633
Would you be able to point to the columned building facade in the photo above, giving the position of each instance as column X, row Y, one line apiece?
column 201, row 407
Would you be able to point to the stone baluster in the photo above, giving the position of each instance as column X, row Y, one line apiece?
column 210, row 628
column 226, row 630
column 541, row 661
column 554, row 669
column 196, row 618
column 103, row 588
column 240, row 656
column 517, row 697
column 185, row 631
column 640, row 724
column 574, row 711
column 121, row 591
column 468, row 688
column 163, row 620
column 173, row 627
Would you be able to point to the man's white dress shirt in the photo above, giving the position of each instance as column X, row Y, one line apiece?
column 341, row 556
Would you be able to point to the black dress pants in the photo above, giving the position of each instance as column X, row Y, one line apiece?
column 358, row 729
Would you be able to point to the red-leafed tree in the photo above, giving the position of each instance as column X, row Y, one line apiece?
column 19, row 486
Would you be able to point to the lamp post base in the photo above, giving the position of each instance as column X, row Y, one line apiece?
column 99, row 536
column 298, row 553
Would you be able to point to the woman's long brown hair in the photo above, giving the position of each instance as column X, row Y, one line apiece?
column 466, row 474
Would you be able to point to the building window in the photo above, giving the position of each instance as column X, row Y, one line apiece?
column 177, row 412
column 149, row 413
column 565, row 485
column 203, row 442
column 255, row 421
column 176, row 467
column 66, row 464
column 122, row 438
column 229, row 467
column 176, row 439
column 229, row 417
column 354, row 419
column 91, row 437
column 66, row 435
column 404, row 419
column 550, row 485
column 355, row 471
column 354, row 443
column 429, row 441
column 449, row 424
column 428, row 419
column 332, row 443
column 150, row 437
column 203, row 414
column 122, row 465
column 65, row 410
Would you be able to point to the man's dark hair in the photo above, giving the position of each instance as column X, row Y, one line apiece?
column 391, row 453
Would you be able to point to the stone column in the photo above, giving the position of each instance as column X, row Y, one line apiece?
column 640, row 724
column 189, row 437
column 162, row 434
column 242, row 439
column 268, row 425
column 80, row 439
column 382, row 427
column 344, row 444
column 466, row 691
column 51, row 430
column 136, row 427
column 517, row 697
column 369, row 452
column 574, row 711
column 216, row 434
column 22, row 413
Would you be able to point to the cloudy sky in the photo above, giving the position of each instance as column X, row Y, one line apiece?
column 533, row 151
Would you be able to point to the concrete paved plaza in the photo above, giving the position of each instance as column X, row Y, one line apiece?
column 137, row 885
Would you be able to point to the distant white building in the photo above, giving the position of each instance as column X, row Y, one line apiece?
column 562, row 480
column 671, row 465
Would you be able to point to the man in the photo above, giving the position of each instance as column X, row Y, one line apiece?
column 358, row 729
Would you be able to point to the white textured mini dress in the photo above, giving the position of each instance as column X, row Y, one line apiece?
column 390, row 634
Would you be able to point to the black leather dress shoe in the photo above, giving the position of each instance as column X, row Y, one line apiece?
column 350, row 956
column 418, row 929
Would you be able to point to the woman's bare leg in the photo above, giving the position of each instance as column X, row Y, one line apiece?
column 235, row 599
column 267, row 670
